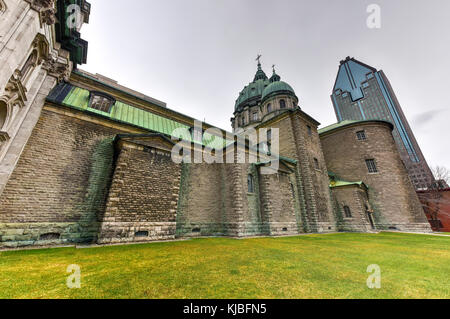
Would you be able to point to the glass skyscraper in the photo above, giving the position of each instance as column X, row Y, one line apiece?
column 363, row 93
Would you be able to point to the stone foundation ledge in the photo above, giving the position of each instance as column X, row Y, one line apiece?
column 406, row 227
column 126, row 232
column 198, row 229
column 283, row 228
column 348, row 226
column 13, row 235
column 326, row 227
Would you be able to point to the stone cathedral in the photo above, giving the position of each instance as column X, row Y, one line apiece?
column 86, row 160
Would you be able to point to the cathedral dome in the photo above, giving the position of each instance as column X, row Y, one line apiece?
column 251, row 92
column 277, row 87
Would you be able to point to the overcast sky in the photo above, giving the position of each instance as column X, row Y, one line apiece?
column 197, row 55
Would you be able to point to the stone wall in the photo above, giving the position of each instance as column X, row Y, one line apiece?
column 391, row 193
column 278, row 202
column 201, row 208
column 60, row 183
column 143, row 197
column 356, row 199
column 300, row 141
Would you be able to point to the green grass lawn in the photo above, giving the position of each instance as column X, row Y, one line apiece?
column 312, row 266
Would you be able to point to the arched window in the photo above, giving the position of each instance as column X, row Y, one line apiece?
column 29, row 65
column 347, row 211
column 269, row 108
column 3, row 114
column 282, row 104
column 251, row 187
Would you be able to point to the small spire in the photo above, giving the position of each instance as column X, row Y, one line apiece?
column 258, row 58
column 260, row 75
column 275, row 77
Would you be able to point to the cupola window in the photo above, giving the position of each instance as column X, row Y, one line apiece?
column 282, row 104
column 269, row 108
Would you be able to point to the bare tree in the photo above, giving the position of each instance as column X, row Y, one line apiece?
column 432, row 200
column 441, row 174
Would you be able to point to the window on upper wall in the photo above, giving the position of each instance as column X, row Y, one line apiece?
column 251, row 188
column 269, row 108
column 347, row 212
column 316, row 163
column 371, row 166
column 2, row 6
column 361, row 135
column 101, row 101
column 282, row 104
column 269, row 135
column 255, row 116
column 309, row 130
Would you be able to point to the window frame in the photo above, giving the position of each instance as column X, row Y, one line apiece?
column 104, row 97
column 361, row 135
column 372, row 169
column 347, row 211
column 316, row 164
column 250, row 184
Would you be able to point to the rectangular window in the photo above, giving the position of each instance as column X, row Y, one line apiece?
column 361, row 135
column 255, row 116
column 250, row 184
column 347, row 211
column 309, row 130
column 371, row 166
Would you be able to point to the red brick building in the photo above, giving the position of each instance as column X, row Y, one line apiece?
column 436, row 204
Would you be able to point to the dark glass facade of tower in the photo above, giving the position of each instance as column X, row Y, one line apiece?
column 363, row 93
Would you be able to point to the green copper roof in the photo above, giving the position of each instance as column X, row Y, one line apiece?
column 339, row 183
column 277, row 87
column 348, row 122
column 253, row 91
column 78, row 98
column 335, row 126
column 336, row 182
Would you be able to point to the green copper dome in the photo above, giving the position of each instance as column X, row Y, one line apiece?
column 277, row 87
column 262, row 88
column 251, row 94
